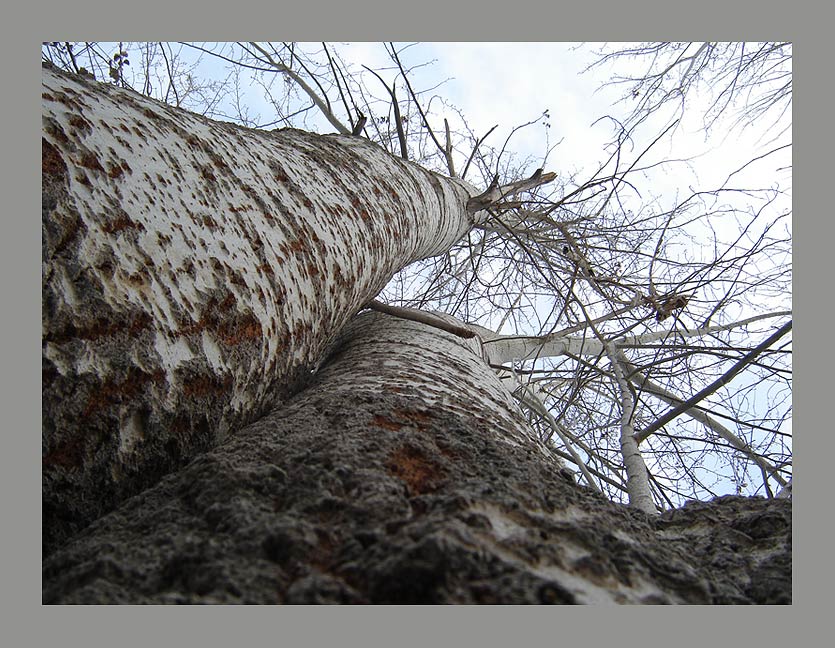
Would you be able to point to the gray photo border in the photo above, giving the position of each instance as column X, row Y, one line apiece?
column 26, row 620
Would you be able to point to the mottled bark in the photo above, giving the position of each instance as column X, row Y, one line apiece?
column 405, row 474
column 193, row 274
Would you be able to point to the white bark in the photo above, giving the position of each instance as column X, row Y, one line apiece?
column 637, row 477
column 786, row 491
column 300, row 229
column 501, row 349
column 194, row 272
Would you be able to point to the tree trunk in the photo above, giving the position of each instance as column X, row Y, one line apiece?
column 404, row 473
column 194, row 273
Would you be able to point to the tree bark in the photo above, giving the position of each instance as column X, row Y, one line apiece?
column 404, row 473
column 194, row 273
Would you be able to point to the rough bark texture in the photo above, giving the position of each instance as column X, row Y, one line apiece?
column 194, row 273
column 404, row 474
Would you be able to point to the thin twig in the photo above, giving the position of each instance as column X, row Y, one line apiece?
column 475, row 148
column 404, row 153
column 417, row 103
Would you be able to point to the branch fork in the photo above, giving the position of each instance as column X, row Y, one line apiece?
column 496, row 193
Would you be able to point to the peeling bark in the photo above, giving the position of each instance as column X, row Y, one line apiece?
column 400, row 476
column 193, row 274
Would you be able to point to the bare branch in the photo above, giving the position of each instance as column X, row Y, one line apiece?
column 422, row 317
column 475, row 148
column 495, row 193
column 712, row 387
column 404, row 151
column 319, row 101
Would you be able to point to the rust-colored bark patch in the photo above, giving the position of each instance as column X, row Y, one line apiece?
column 78, row 122
column 419, row 473
column 89, row 161
column 242, row 329
column 99, row 328
column 278, row 172
column 121, row 222
column 386, row 424
column 231, row 329
column 112, row 391
column 218, row 161
column 52, row 164
column 206, row 385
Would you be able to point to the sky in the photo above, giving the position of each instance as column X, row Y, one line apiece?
column 511, row 83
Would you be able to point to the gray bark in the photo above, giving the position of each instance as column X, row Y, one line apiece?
column 405, row 474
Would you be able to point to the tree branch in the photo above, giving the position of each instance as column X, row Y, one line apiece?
column 448, row 150
column 420, row 110
column 475, row 148
column 637, row 475
column 716, row 384
column 495, row 193
column 420, row 316
column 320, row 103
column 643, row 382
column 404, row 153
